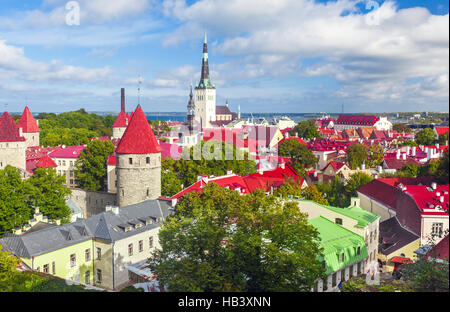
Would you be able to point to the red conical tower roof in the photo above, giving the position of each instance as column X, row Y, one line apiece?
column 121, row 120
column 9, row 132
column 139, row 137
column 46, row 162
column 27, row 122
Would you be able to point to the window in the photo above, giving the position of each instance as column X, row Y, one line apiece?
column 71, row 163
column 402, row 255
column 333, row 280
column 141, row 246
column 99, row 253
column 147, row 160
column 73, row 260
column 338, row 221
column 342, row 257
column 99, row 276
column 64, row 162
column 46, row 268
column 150, row 242
column 59, row 162
column 130, row 160
column 53, row 268
column 148, row 192
column 71, row 173
column 87, row 277
column 71, row 181
column 87, row 255
column 358, row 251
column 130, row 249
column 350, row 271
column 437, row 229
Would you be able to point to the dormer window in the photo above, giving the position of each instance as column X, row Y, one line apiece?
column 342, row 257
column 338, row 221
column 358, row 251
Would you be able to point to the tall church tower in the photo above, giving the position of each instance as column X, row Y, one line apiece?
column 138, row 162
column 205, row 94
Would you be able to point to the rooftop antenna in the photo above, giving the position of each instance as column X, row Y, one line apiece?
column 139, row 90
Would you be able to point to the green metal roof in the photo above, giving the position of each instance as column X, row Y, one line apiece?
column 336, row 240
column 363, row 217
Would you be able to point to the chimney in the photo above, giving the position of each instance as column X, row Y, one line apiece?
column 229, row 171
column 286, row 135
column 315, row 174
column 413, row 151
column 433, row 185
column 174, row 202
column 408, row 150
column 282, row 165
column 404, row 156
column 20, row 131
column 441, row 199
column 398, row 154
column 122, row 99
column 429, row 153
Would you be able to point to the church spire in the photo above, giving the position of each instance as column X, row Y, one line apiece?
column 205, row 81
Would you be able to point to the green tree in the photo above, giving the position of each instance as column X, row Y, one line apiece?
column 335, row 193
column 306, row 129
column 355, row 182
column 425, row 137
column 49, row 194
column 376, row 155
column 302, row 158
column 410, row 170
column 443, row 169
column 170, row 183
column 427, row 274
column 90, row 172
column 289, row 187
column 312, row 193
column 14, row 210
column 401, row 127
column 443, row 139
column 219, row 240
column 408, row 143
column 357, row 155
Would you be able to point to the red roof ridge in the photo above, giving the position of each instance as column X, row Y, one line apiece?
column 46, row 162
column 138, row 137
column 121, row 121
column 9, row 132
column 27, row 122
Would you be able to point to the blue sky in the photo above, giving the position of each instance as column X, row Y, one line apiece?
column 265, row 55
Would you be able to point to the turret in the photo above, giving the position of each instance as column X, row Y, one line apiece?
column 138, row 161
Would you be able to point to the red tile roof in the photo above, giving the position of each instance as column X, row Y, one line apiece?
column 111, row 160
column 441, row 130
column 394, row 163
column 249, row 183
column 357, row 120
column 441, row 250
column 68, row 152
column 336, row 165
column 121, row 120
column 46, row 162
column 138, row 137
column 292, row 138
column 427, row 199
column 9, row 132
column 27, row 122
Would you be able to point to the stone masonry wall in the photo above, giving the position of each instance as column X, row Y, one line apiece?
column 139, row 180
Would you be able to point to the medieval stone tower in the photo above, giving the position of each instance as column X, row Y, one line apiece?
column 12, row 143
column 138, row 162
column 30, row 129
column 122, row 120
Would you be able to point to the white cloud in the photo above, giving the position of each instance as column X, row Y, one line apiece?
column 15, row 65
column 373, row 55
